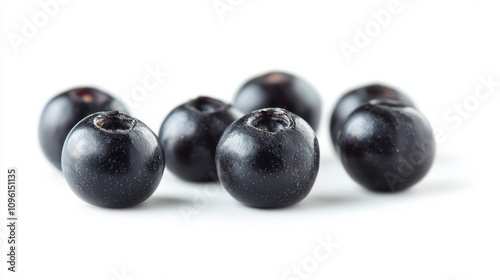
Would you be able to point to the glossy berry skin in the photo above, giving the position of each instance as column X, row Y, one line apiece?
column 357, row 97
column 189, row 135
column 283, row 90
column 112, row 160
column 386, row 146
column 64, row 111
column 269, row 158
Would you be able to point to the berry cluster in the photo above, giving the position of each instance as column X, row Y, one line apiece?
column 263, row 148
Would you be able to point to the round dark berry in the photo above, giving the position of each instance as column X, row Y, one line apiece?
column 282, row 90
column 269, row 158
column 189, row 136
column 386, row 146
column 64, row 111
column 355, row 98
column 112, row 160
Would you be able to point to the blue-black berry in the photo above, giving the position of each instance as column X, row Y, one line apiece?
column 357, row 97
column 283, row 90
column 269, row 158
column 189, row 136
column 112, row 160
column 64, row 111
column 386, row 146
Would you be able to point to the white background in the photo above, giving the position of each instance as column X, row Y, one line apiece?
column 445, row 228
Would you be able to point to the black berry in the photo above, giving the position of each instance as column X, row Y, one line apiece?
column 269, row 158
column 283, row 90
column 112, row 160
column 64, row 111
column 355, row 98
column 189, row 135
column 386, row 146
